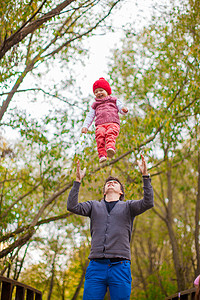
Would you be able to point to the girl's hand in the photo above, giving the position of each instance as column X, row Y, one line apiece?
column 125, row 109
column 84, row 130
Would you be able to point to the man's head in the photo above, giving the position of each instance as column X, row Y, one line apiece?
column 116, row 184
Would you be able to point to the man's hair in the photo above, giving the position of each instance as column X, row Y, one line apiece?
column 110, row 178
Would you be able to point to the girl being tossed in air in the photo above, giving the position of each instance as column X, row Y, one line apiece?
column 105, row 110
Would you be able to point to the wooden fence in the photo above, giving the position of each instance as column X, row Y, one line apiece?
column 183, row 295
column 12, row 289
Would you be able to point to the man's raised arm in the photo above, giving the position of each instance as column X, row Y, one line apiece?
column 139, row 206
column 84, row 208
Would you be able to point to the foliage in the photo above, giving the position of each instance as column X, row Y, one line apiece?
column 42, row 35
column 67, row 273
column 157, row 74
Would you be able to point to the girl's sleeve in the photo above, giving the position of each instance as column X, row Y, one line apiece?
column 120, row 105
column 89, row 118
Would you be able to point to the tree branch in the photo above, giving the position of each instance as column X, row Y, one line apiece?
column 43, row 91
column 24, row 31
column 78, row 36
column 41, row 222
column 17, row 200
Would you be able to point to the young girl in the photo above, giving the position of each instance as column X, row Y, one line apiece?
column 105, row 111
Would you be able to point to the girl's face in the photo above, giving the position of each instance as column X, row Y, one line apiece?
column 100, row 93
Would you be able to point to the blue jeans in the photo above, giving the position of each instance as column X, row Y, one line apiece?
column 101, row 274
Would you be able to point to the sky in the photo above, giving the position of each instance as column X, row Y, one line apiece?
column 100, row 46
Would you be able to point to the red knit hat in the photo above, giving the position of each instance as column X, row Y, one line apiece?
column 102, row 83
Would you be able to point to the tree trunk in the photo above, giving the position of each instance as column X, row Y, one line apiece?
column 169, row 222
column 81, row 281
column 142, row 277
column 17, row 273
column 52, row 277
column 5, row 103
column 196, row 232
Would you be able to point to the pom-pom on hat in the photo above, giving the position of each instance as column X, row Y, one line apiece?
column 102, row 83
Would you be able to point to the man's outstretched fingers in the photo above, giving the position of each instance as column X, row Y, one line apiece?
column 80, row 173
column 142, row 165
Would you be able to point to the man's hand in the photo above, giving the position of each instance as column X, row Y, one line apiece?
column 79, row 173
column 142, row 166
column 84, row 130
column 125, row 109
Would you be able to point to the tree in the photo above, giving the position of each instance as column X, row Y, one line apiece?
column 159, row 82
column 154, row 72
column 62, row 270
column 42, row 32
column 26, row 44
column 27, row 26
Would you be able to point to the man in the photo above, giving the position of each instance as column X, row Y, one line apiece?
column 111, row 222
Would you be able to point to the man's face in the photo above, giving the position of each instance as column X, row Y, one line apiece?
column 114, row 186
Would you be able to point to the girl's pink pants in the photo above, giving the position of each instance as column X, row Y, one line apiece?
column 105, row 136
